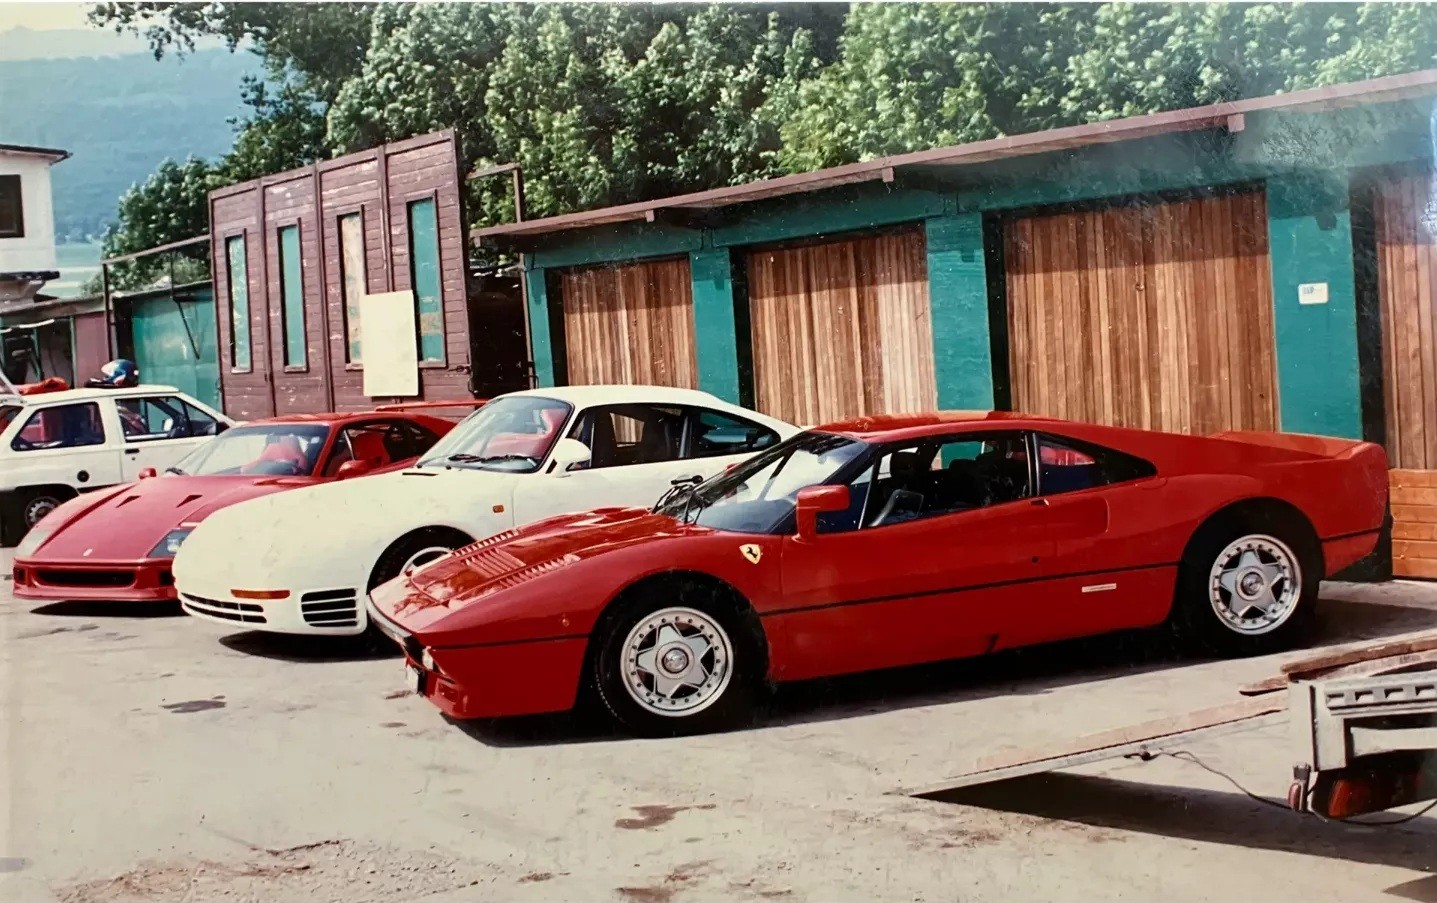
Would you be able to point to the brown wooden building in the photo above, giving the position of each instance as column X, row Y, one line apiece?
column 294, row 252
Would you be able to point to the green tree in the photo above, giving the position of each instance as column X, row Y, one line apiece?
column 171, row 205
column 913, row 76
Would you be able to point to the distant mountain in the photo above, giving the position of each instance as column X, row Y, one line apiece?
column 23, row 43
column 119, row 115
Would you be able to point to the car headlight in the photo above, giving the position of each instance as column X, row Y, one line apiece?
column 170, row 545
column 427, row 661
column 33, row 540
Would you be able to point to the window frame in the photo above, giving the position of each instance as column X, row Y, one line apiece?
column 432, row 199
column 150, row 437
column 286, row 316
column 230, row 242
column 19, row 204
column 583, row 423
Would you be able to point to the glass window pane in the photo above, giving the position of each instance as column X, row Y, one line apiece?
column 352, row 267
column 718, row 434
column 424, row 278
column 239, row 302
column 66, row 426
column 291, row 289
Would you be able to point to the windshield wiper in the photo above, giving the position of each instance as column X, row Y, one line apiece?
column 467, row 458
column 464, row 458
column 682, row 486
column 174, row 470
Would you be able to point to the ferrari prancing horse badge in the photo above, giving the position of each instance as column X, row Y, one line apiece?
column 752, row 552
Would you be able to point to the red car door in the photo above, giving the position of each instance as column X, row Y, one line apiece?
column 1099, row 576
column 934, row 586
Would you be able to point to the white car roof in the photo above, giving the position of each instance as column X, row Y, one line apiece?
column 73, row 395
column 584, row 396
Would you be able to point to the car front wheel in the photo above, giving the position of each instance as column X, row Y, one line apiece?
column 676, row 661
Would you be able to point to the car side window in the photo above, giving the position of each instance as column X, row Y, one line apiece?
column 407, row 440
column 151, row 418
column 1066, row 465
column 199, row 423
column 61, row 426
column 942, row 475
column 623, row 435
column 715, row 435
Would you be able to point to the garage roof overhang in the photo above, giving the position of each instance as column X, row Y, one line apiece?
column 928, row 167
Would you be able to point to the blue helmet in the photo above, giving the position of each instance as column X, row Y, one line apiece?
column 117, row 374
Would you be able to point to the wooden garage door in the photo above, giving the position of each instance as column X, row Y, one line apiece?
column 630, row 325
column 842, row 329
column 1156, row 316
column 1406, row 268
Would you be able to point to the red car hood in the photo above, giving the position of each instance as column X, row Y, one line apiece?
column 129, row 523
column 514, row 557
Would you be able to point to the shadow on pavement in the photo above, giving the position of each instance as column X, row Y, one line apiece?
column 110, row 609
column 1207, row 816
column 1033, row 670
column 308, row 649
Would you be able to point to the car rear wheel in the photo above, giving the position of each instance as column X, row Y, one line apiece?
column 677, row 660
column 1247, row 588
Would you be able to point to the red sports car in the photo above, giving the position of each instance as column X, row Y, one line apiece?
column 117, row 543
column 882, row 542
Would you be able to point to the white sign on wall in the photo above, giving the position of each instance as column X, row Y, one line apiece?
column 389, row 337
column 1312, row 293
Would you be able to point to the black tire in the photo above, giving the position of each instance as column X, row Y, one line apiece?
column 734, row 703
column 1272, row 536
column 394, row 559
column 27, row 506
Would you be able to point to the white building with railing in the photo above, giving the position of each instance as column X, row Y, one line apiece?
column 27, row 220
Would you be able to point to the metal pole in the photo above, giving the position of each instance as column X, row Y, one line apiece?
column 109, row 326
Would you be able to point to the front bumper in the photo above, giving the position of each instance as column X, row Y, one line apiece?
column 148, row 580
column 529, row 677
column 321, row 611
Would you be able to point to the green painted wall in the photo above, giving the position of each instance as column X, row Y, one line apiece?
column 1310, row 242
column 175, row 343
column 958, row 298
column 714, row 328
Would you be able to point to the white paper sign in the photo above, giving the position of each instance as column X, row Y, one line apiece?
column 1312, row 293
column 389, row 340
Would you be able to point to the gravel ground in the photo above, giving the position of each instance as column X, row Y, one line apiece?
column 151, row 758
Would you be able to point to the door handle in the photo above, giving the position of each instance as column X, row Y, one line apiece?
column 132, row 451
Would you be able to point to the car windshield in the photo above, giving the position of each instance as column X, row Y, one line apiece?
column 512, row 434
column 275, row 449
column 757, row 495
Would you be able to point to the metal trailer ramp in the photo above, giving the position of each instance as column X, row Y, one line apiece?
column 1149, row 737
column 1265, row 705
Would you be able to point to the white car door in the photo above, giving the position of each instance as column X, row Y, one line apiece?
column 158, row 430
column 636, row 453
column 75, row 444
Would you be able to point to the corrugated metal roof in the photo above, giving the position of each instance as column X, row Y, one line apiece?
column 1223, row 115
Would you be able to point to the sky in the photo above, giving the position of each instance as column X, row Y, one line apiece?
column 43, row 16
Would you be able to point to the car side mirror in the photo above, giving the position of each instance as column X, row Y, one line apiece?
column 353, row 469
column 147, row 472
column 816, row 500
column 569, row 453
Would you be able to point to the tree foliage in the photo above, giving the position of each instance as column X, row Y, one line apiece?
column 610, row 103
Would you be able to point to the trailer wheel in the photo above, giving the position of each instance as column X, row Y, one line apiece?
column 1247, row 586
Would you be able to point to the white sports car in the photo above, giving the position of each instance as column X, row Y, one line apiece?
column 304, row 561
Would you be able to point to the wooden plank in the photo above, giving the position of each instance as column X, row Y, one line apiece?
column 1412, row 478
column 1415, row 530
column 1414, row 495
column 1407, row 289
column 1352, row 655
column 1410, row 550
column 632, row 324
column 1355, row 669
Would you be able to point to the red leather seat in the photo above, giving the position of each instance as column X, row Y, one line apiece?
column 369, row 447
column 285, row 450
